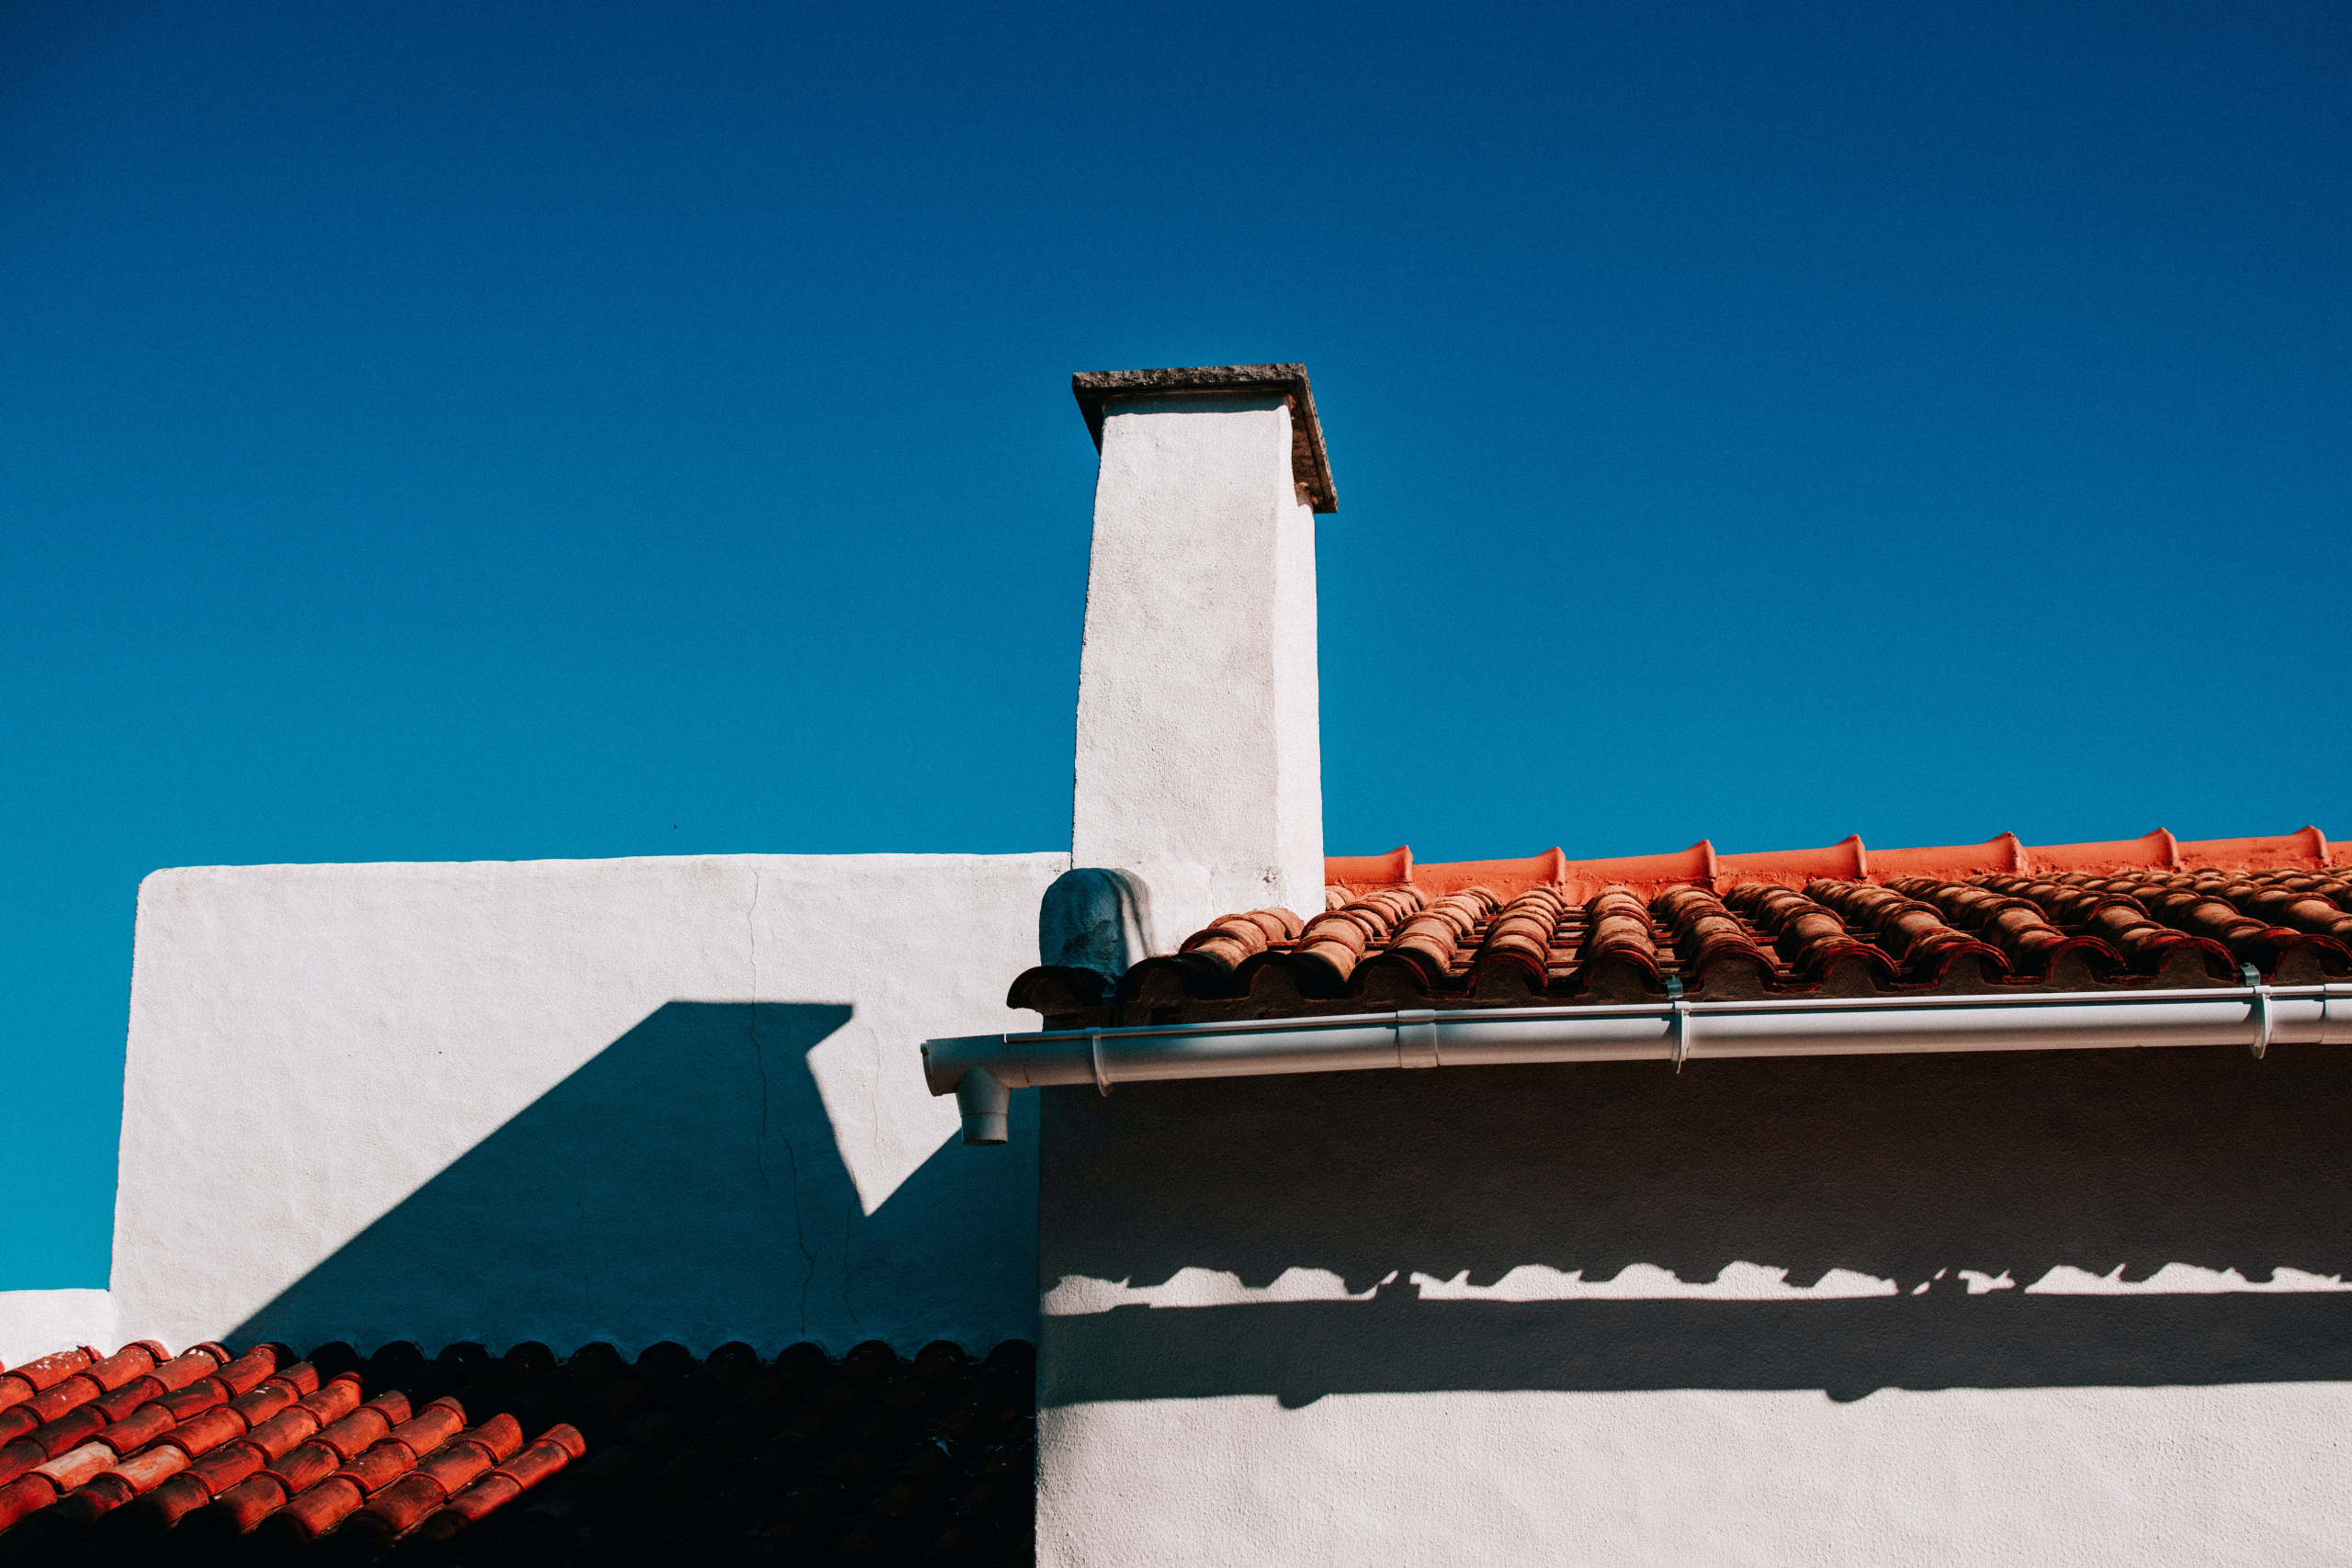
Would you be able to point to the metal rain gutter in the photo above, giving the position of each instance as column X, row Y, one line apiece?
column 982, row 1070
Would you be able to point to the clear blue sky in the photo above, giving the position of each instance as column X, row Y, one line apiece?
column 495, row 431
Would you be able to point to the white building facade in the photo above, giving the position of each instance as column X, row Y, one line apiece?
column 2034, row 1308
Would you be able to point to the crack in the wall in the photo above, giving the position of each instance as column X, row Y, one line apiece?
column 849, row 1212
column 760, row 1149
column 759, row 1054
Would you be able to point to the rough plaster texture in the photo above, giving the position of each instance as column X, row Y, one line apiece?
column 1966, row 1478
column 2071, row 1308
column 34, row 1323
column 1199, row 759
column 627, row 1100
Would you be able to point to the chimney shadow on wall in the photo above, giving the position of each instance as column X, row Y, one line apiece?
column 683, row 1184
column 1905, row 1169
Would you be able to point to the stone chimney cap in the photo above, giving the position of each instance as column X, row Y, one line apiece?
column 1309, row 468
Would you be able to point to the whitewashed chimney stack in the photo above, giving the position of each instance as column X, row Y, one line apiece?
column 1199, row 766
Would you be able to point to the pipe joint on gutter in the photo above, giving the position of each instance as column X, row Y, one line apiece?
column 986, row 1104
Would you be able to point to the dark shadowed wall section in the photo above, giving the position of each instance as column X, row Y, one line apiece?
column 683, row 1184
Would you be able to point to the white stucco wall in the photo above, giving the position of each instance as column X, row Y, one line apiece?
column 34, row 1323
column 2081, row 1308
column 1199, row 757
column 1958, row 1478
column 497, row 1100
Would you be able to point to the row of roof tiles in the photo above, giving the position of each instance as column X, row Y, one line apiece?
column 1700, row 864
column 1401, row 947
column 520, row 1458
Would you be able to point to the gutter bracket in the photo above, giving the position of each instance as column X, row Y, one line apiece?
column 1417, row 1037
column 1102, row 1074
column 1678, row 1022
column 2261, row 1010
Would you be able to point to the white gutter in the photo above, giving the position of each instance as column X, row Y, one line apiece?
column 982, row 1070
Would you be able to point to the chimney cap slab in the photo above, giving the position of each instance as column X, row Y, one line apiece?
column 1310, row 467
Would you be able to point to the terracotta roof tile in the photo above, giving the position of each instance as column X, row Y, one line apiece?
column 21, row 1383
column 1619, row 955
column 1843, row 920
column 1925, row 946
column 2150, row 947
column 2033, row 947
column 521, row 1458
column 99, row 1378
column 439, row 1476
column 1434, row 941
column 1229, row 940
column 1812, row 939
column 1719, row 954
column 1519, row 940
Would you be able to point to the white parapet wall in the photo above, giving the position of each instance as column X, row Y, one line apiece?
column 34, row 1323
column 2089, row 1307
column 624, row 1100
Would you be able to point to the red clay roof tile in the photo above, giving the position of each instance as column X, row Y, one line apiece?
column 464, row 1459
column 80, row 1388
column 1812, row 939
column 21, row 1383
column 1848, row 860
column 1844, row 919
column 663, row 1459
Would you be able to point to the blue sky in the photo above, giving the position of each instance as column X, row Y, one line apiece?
column 496, row 430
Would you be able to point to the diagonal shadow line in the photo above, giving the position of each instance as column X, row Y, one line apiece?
column 626, row 1203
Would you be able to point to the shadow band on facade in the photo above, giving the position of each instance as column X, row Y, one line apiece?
column 1301, row 1351
column 683, row 1184
column 1899, row 1167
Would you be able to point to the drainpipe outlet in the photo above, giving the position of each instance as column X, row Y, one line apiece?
column 985, row 1100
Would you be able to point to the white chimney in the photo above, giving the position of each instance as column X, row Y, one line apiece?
column 1200, row 768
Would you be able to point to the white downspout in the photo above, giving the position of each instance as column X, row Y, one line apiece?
column 982, row 1069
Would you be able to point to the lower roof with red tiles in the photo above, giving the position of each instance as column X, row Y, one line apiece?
column 1996, row 918
column 525, row 1458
